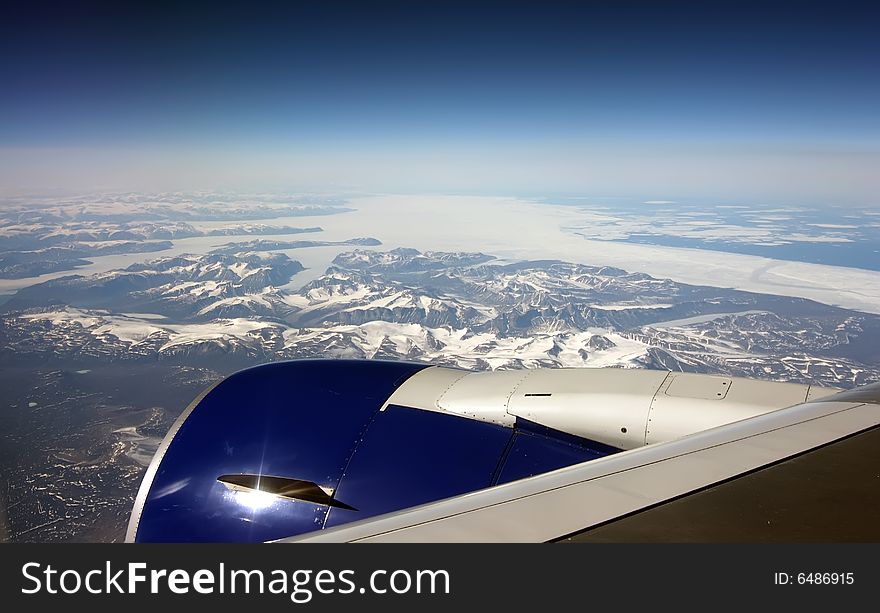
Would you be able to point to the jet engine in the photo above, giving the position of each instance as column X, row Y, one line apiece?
column 292, row 447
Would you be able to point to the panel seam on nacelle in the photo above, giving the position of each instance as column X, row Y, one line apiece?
column 348, row 460
column 362, row 435
column 651, row 406
column 513, row 391
column 503, row 459
column 437, row 402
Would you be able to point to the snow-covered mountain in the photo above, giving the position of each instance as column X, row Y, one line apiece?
column 447, row 308
column 187, row 287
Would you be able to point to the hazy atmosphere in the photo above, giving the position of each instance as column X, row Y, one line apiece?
column 765, row 101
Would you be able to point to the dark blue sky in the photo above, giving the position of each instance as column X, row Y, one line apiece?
column 409, row 79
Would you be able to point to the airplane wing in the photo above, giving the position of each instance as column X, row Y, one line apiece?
column 338, row 450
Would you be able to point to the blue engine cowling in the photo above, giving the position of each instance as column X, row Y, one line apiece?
column 290, row 447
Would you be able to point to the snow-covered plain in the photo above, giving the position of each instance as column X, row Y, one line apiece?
column 518, row 229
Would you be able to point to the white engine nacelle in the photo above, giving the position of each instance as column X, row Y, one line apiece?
column 623, row 408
